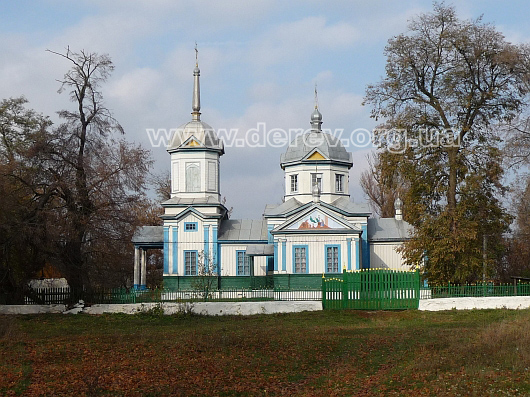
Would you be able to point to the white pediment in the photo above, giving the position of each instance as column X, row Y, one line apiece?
column 317, row 218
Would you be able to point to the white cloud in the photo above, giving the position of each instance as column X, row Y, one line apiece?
column 301, row 39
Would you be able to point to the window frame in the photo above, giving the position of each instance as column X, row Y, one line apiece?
column 328, row 268
column 294, row 181
column 194, row 224
column 318, row 177
column 339, row 180
column 306, row 250
column 246, row 263
column 196, row 267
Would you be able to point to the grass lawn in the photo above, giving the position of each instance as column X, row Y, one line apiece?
column 332, row 353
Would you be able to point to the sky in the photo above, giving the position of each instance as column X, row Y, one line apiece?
column 259, row 61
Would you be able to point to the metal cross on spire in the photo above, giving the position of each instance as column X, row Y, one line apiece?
column 196, row 55
column 316, row 97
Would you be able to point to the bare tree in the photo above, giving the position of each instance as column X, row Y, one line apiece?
column 100, row 178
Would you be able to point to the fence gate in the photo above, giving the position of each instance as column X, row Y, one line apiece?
column 372, row 289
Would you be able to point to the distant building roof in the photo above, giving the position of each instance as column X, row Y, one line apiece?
column 388, row 229
column 243, row 230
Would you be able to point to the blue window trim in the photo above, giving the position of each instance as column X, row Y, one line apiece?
column 326, row 257
column 196, row 262
column 245, row 257
column 195, row 226
column 306, row 258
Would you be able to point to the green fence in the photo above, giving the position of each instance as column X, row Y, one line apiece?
column 372, row 289
column 66, row 295
column 475, row 290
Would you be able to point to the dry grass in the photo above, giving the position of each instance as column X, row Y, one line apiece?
column 342, row 353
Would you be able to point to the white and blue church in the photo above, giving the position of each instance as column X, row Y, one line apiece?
column 316, row 230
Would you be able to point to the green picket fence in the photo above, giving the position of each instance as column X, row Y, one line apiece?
column 475, row 290
column 372, row 289
column 66, row 295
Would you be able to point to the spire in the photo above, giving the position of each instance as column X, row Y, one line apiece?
column 316, row 117
column 196, row 102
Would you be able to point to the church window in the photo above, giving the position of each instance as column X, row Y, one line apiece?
column 190, row 263
column 243, row 264
column 339, row 183
column 332, row 259
column 316, row 179
column 193, row 177
column 294, row 183
column 190, row 226
column 300, row 259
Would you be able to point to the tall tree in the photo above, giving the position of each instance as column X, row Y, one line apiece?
column 449, row 83
column 24, row 193
column 100, row 179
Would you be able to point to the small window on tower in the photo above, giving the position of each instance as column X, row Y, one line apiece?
column 339, row 183
column 316, row 179
column 294, row 183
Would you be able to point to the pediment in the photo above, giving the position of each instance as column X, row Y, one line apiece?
column 192, row 142
column 317, row 218
column 315, row 155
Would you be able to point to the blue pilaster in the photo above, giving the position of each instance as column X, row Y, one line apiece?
column 357, row 254
column 175, row 250
column 284, row 254
column 166, row 249
column 207, row 244
column 365, row 248
column 348, row 243
column 275, row 256
column 216, row 250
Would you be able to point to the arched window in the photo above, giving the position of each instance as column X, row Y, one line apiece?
column 193, row 177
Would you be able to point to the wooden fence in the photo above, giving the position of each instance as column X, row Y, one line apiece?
column 372, row 289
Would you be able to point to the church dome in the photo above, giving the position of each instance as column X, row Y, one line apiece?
column 330, row 148
column 195, row 134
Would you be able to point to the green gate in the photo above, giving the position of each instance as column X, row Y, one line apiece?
column 372, row 289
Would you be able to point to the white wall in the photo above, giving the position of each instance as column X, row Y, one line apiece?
column 385, row 256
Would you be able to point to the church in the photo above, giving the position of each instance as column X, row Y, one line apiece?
column 316, row 230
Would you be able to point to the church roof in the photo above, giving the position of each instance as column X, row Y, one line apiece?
column 326, row 144
column 148, row 234
column 195, row 135
column 344, row 204
column 272, row 210
column 186, row 201
column 243, row 230
column 388, row 229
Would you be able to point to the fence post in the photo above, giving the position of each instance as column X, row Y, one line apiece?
column 344, row 289
column 323, row 292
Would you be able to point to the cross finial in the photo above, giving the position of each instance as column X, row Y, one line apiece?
column 196, row 55
column 316, row 97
